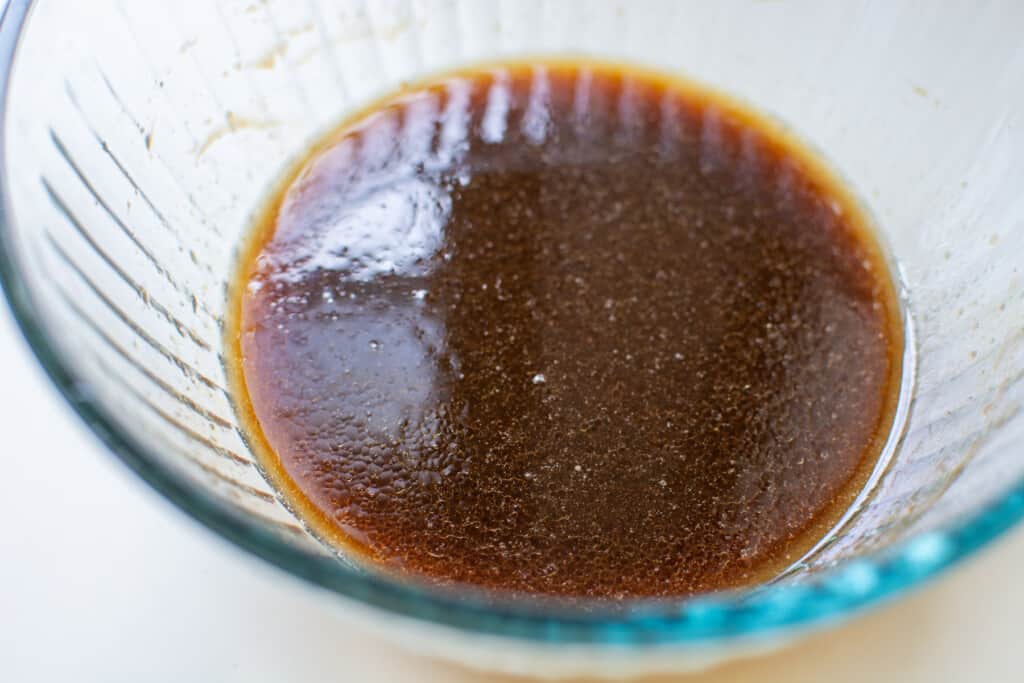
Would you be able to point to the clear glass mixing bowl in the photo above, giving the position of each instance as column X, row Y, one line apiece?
column 139, row 137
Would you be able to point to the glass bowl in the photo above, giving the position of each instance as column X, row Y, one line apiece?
column 140, row 138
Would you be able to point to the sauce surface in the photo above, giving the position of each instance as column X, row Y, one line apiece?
column 568, row 329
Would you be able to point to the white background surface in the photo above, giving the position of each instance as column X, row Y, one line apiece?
column 102, row 580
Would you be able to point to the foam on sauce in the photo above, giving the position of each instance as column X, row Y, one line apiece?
column 569, row 329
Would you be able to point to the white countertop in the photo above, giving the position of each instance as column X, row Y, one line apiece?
column 103, row 580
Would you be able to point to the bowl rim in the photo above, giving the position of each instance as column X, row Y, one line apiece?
column 835, row 593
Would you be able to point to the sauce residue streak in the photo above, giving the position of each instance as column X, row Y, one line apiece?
column 566, row 328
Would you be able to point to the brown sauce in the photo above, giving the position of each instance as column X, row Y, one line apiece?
column 569, row 329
